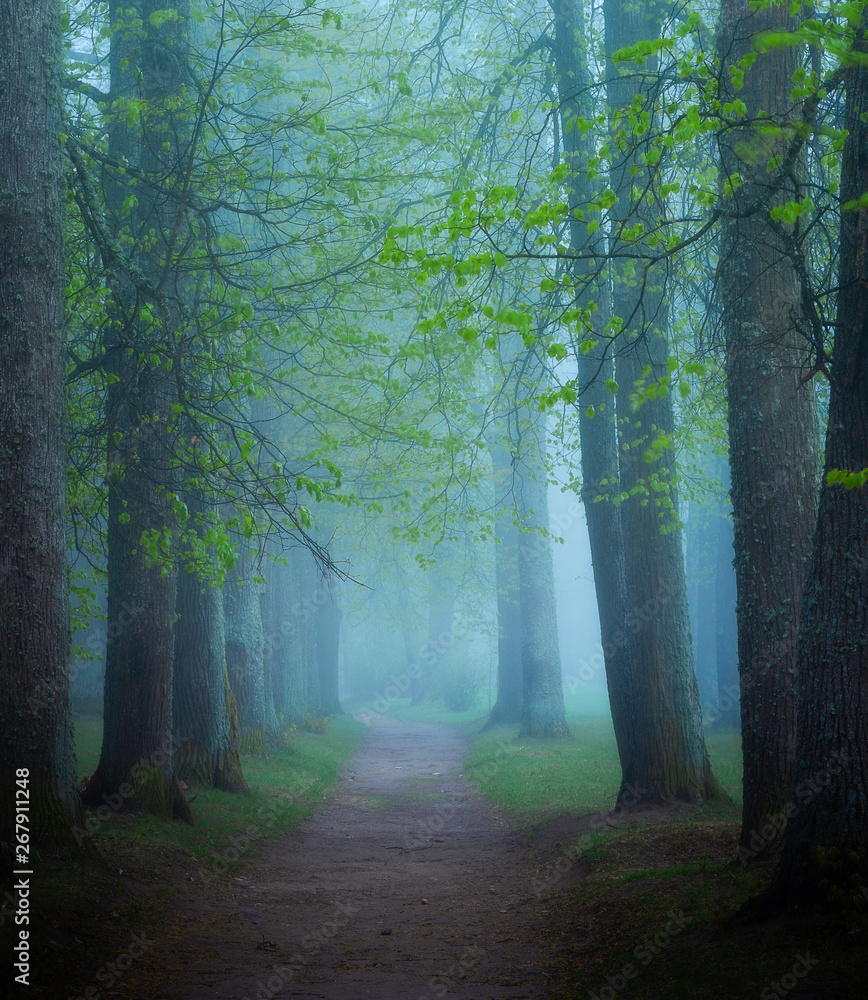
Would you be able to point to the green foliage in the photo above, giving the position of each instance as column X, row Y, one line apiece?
column 315, row 722
column 849, row 480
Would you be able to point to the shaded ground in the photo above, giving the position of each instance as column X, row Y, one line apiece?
column 407, row 887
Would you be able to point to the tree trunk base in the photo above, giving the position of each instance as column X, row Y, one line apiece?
column 503, row 715
column 633, row 796
column 149, row 790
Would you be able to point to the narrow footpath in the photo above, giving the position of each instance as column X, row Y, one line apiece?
column 408, row 886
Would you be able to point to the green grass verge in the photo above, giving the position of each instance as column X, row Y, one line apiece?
column 578, row 776
column 650, row 910
column 285, row 788
column 537, row 777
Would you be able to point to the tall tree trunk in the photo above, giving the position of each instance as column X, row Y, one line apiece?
column 773, row 444
column 828, row 814
column 542, row 705
column 671, row 761
column 594, row 369
column 257, row 720
column 204, row 753
column 35, row 719
column 507, row 707
column 147, row 64
column 286, row 636
column 727, row 713
column 328, row 633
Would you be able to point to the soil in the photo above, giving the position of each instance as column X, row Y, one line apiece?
column 408, row 886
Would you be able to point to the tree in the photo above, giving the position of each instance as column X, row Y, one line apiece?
column 594, row 378
column 643, row 604
column 726, row 638
column 36, row 753
column 149, row 72
column 671, row 758
column 202, row 702
column 507, row 707
column 773, row 437
column 824, row 852
column 542, row 703
column 258, row 724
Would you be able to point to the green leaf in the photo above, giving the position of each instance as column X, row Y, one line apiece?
column 849, row 480
column 159, row 17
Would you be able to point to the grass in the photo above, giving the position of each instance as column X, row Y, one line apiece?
column 88, row 740
column 285, row 787
column 650, row 910
column 580, row 775
column 533, row 777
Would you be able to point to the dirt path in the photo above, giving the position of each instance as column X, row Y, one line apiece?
column 407, row 887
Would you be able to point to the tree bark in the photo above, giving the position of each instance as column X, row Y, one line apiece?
column 773, row 444
column 35, row 716
column 507, row 707
column 204, row 753
column 328, row 632
column 596, row 403
column 824, row 853
column 258, row 726
column 671, row 761
column 727, row 714
column 542, row 704
column 146, row 312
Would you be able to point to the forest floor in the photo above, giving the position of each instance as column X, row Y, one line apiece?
column 409, row 885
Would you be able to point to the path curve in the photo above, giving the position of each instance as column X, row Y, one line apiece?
column 408, row 886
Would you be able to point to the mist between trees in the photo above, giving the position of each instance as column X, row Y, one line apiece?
column 311, row 314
